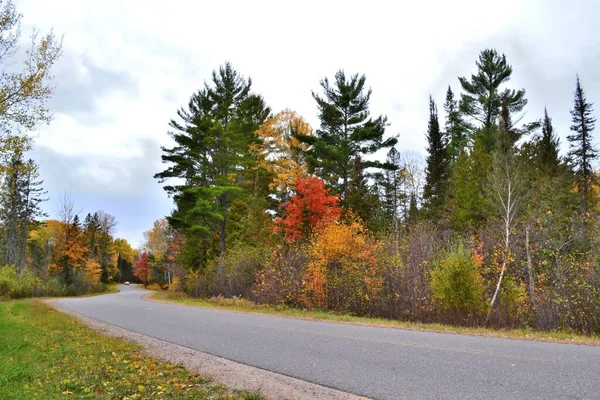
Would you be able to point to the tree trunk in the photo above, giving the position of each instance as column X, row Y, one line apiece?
column 508, row 208
column 529, row 265
column 223, row 238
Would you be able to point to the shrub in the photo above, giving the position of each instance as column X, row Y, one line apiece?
column 340, row 271
column 280, row 281
column 456, row 281
column 236, row 275
column 154, row 286
column 29, row 285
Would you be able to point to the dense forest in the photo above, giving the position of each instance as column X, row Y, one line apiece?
column 494, row 228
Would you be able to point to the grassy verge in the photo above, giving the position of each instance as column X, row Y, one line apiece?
column 246, row 306
column 45, row 354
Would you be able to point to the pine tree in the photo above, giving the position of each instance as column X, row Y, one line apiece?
column 346, row 131
column 547, row 151
column 20, row 206
column 583, row 151
column 456, row 129
column 211, row 153
column 483, row 99
column 91, row 224
column 434, row 193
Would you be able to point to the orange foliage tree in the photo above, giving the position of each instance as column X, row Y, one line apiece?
column 341, row 272
column 310, row 206
column 140, row 268
column 93, row 270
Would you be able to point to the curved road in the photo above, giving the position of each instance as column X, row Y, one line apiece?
column 379, row 363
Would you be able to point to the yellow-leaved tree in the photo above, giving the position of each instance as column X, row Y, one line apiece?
column 341, row 273
column 280, row 152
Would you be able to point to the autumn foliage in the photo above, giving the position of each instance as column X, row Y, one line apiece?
column 140, row 268
column 310, row 206
column 340, row 272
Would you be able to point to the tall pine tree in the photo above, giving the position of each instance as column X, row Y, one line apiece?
column 347, row 132
column 211, row 154
column 583, row 151
column 483, row 99
column 434, row 192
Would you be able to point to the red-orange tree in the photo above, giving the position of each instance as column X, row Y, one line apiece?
column 140, row 268
column 307, row 208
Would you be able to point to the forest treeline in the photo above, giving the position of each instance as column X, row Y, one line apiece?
column 494, row 227
column 41, row 257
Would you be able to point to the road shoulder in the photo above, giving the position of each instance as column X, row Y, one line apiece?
column 232, row 374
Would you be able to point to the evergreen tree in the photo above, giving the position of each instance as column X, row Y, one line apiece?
column 467, row 203
column 582, row 150
column 91, row 224
column 548, row 145
column 390, row 185
column 19, row 206
column 456, row 129
column 434, row 192
column 211, row 153
column 347, row 131
column 360, row 197
column 483, row 100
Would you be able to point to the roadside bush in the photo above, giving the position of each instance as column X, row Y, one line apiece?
column 280, row 281
column 236, row 275
column 14, row 286
column 154, row 286
column 457, row 285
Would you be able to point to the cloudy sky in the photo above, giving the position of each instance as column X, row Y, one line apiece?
column 129, row 65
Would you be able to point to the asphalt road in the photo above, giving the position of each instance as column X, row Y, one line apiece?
column 379, row 363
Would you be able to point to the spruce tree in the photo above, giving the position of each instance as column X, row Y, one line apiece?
column 583, row 151
column 347, row 131
column 456, row 129
column 482, row 100
column 434, row 192
column 211, row 155
column 547, row 151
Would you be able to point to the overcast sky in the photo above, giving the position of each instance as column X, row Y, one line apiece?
column 129, row 65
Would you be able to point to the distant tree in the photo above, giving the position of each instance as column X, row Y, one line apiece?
column 483, row 99
column 437, row 171
column 347, row 131
column 211, row 154
column 583, row 151
column 106, row 255
column 393, row 192
column 91, row 225
column 307, row 208
column 140, row 268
